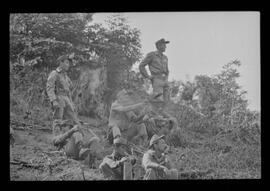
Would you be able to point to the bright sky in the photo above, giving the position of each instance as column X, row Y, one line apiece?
column 202, row 42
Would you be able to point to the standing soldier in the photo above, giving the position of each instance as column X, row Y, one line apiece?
column 67, row 130
column 58, row 90
column 158, row 66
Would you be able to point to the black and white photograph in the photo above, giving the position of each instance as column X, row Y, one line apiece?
column 116, row 96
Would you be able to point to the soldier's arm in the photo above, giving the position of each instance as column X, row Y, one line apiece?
column 111, row 163
column 119, row 107
column 59, row 139
column 50, row 86
column 71, row 87
column 167, row 69
column 147, row 162
column 145, row 62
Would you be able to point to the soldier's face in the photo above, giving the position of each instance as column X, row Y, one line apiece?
column 65, row 65
column 161, row 47
column 162, row 146
column 121, row 149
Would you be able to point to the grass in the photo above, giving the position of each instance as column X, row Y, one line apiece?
column 229, row 159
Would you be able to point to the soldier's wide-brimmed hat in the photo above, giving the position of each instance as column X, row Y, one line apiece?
column 155, row 138
column 120, row 141
column 162, row 41
column 63, row 57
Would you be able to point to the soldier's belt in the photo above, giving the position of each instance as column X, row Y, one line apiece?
column 159, row 76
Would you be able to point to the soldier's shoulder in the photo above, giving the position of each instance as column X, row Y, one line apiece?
column 53, row 73
column 153, row 53
column 150, row 152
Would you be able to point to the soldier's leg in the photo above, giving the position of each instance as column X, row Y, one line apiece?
column 150, row 174
column 142, row 134
column 157, row 89
column 69, row 112
column 166, row 92
column 93, row 148
column 58, row 112
column 60, row 138
column 108, row 172
column 74, row 145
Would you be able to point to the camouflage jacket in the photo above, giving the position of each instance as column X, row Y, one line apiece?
column 158, row 64
column 58, row 83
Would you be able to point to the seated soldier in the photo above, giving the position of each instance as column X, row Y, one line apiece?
column 78, row 143
column 126, row 119
column 112, row 165
column 159, row 122
column 157, row 164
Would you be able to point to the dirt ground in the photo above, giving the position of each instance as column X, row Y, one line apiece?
column 33, row 157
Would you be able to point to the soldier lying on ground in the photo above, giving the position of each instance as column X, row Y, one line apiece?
column 112, row 166
column 78, row 143
column 157, row 164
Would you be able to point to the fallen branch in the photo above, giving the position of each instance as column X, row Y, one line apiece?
column 25, row 164
column 27, row 125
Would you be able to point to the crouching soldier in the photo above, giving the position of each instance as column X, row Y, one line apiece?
column 126, row 119
column 113, row 165
column 157, row 164
column 160, row 122
column 78, row 143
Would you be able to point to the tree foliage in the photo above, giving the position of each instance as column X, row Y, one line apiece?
column 220, row 99
column 37, row 40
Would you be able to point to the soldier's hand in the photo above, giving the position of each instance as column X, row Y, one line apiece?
column 55, row 104
column 124, row 159
column 76, row 128
column 146, row 117
column 164, row 168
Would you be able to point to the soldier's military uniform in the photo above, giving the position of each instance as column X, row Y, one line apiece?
column 112, row 167
column 58, row 88
column 74, row 143
column 151, row 162
column 160, row 122
column 79, row 144
column 158, row 66
column 126, row 120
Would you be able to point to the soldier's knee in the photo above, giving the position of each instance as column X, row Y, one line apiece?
column 104, row 168
column 150, row 174
column 78, row 136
